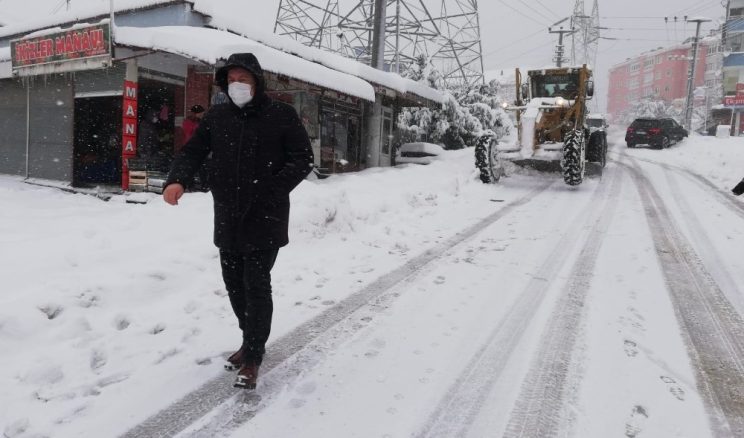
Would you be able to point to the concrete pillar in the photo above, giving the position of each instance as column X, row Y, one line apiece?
column 372, row 135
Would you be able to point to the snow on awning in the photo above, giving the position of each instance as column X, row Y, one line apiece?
column 331, row 60
column 81, row 11
column 210, row 45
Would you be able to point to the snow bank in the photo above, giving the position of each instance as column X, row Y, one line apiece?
column 720, row 160
column 421, row 149
column 210, row 45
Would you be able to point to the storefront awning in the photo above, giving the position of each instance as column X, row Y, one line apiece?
column 734, row 60
column 333, row 61
column 210, row 45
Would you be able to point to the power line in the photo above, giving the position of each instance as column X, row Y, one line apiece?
column 521, row 13
column 535, row 10
column 542, row 46
column 515, row 41
column 547, row 8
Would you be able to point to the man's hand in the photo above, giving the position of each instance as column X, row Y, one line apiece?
column 173, row 193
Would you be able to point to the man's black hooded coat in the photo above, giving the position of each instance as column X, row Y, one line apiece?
column 259, row 154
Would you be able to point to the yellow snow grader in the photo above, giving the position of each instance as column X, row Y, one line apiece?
column 551, row 116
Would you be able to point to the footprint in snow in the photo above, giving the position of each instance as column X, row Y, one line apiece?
column 636, row 422
column 98, row 359
column 674, row 389
column 164, row 355
column 203, row 361
column 121, row 322
column 112, row 380
column 631, row 348
column 191, row 307
column 88, row 299
column 51, row 310
column 157, row 276
column 439, row 280
column 16, row 428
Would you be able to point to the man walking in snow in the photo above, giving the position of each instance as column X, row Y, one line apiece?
column 260, row 152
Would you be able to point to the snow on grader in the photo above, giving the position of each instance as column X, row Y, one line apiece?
column 551, row 120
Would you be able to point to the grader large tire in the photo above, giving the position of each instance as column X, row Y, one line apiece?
column 596, row 149
column 574, row 155
column 487, row 160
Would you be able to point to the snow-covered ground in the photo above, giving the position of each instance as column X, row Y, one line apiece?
column 440, row 306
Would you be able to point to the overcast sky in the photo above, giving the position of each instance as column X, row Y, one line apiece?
column 515, row 32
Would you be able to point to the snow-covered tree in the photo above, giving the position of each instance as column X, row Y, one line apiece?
column 465, row 115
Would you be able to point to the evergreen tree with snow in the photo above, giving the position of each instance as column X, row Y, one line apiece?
column 466, row 114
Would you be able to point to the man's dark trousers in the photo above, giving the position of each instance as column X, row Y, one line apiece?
column 247, row 277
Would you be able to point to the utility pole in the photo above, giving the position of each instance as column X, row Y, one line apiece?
column 560, row 48
column 691, row 73
column 378, row 35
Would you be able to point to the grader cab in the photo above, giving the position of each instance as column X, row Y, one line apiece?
column 551, row 114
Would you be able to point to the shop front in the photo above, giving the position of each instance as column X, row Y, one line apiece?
column 94, row 119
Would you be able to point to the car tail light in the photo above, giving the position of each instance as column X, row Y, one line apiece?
column 631, row 130
column 654, row 131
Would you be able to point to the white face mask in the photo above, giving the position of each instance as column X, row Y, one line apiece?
column 240, row 93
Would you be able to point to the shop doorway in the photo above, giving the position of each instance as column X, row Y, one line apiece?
column 97, row 141
column 386, row 138
column 340, row 142
column 156, row 133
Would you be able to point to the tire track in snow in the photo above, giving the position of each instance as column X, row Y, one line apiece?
column 541, row 410
column 233, row 407
column 712, row 329
column 725, row 197
column 462, row 403
column 706, row 248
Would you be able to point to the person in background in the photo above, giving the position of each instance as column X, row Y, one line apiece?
column 260, row 153
column 148, row 143
column 739, row 189
column 190, row 123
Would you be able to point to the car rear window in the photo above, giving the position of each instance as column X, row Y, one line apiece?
column 644, row 123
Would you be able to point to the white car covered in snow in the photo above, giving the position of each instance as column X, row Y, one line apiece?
column 418, row 153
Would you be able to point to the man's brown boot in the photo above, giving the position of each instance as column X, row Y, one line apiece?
column 235, row 361
column 247, row 376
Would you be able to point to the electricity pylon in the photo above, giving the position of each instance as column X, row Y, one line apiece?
column 585, row 39
column 446, row 32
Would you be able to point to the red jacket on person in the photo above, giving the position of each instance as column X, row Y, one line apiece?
column 189, row 127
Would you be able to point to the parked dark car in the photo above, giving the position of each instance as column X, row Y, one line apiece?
column 658, row 133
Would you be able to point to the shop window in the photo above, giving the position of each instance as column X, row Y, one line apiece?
column 339, row 142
